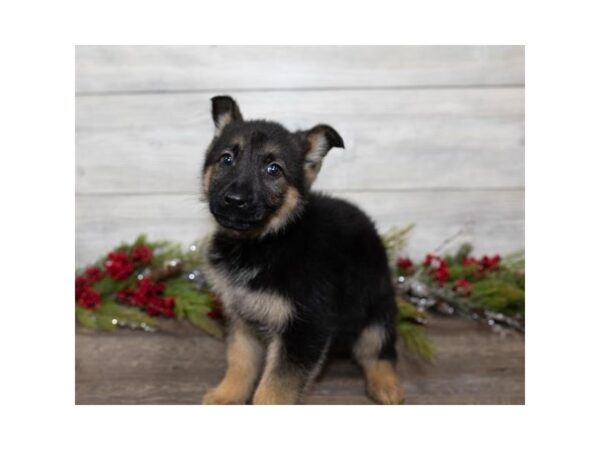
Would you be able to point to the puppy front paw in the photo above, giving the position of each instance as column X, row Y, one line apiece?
column 221, row 396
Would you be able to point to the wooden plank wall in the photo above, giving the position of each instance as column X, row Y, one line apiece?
column 434, row 135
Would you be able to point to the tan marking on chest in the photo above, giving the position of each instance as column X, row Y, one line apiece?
column 266, row 308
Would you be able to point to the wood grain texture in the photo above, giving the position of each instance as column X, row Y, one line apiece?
column 473, row 365
column 179, row 68
column 394, row 140
column 493, row 220
column 434, row 135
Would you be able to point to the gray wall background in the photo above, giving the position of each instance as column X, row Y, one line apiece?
column 434, row 135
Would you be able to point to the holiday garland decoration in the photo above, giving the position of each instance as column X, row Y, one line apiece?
column 137, row 283
column 489, row 288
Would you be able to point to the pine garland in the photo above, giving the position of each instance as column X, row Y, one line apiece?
column 490, row 288
column 168, row 283
column 137, row 283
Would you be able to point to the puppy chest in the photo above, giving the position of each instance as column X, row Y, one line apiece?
column 262, row 307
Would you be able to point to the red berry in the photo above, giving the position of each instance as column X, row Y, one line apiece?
column 404, row 263
column 462, row 283
column 469, row 261
column 89, row 298
column 118, row 266
column 142, row 254
column 442, row 274
column 93, row 274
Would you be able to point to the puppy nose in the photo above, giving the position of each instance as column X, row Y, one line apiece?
column 235, row 199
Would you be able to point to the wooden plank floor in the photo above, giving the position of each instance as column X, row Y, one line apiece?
column 474, row 365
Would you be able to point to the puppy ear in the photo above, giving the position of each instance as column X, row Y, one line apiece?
column 224, row 111
column 317, row 142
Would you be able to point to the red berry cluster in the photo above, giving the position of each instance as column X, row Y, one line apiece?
column 119, row 265
column 148, row 295
column 486, row 263
column 439, row 270
column 483, row 264
column 141, row 254
column 439, row 267
column 404, row 263
column 85, row 295
column 462, row 284
column 489, row 262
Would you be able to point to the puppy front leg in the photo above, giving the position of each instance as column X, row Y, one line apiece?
column 284, row 379
column 280, row 384
column 244, row 356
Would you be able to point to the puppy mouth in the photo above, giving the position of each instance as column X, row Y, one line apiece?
column 236, row 223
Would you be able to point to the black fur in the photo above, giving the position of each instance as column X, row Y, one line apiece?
column 332, row 265
column 327, row 260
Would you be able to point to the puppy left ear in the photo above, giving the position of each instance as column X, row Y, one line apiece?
column 317, row 142
column 224, row 111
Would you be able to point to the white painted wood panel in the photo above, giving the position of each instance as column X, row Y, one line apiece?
column 434, row 135
column 168, row 68
column 493, row 220
column 399, row 139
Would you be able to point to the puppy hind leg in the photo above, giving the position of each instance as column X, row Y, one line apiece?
column 375, row 351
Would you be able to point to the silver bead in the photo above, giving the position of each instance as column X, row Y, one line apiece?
column 418, row 289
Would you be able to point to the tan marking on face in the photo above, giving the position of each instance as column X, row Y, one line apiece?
column 277, row 386
column 244, row 358
column 206, row 179
column 239, row 141
column 383, row 384
column 285, row 212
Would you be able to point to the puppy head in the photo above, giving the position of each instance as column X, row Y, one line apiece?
column 256, row 173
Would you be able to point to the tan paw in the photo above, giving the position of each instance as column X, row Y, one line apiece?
column 388, row 392
column 265, row 396
column 218, row 396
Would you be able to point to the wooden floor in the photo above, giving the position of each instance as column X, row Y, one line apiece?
column 473, row 365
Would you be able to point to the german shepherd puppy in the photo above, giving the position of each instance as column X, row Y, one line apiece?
column 300, row 274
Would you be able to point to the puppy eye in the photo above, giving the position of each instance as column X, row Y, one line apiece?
column 274, row 169
column 227, row 159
